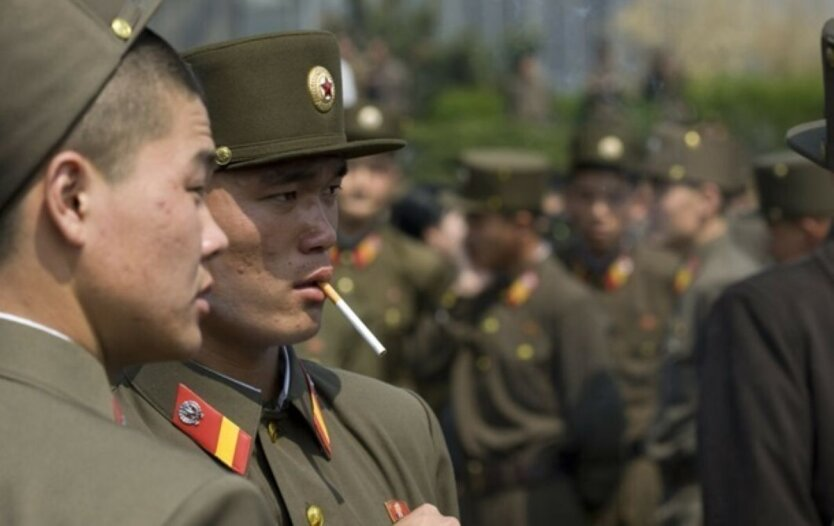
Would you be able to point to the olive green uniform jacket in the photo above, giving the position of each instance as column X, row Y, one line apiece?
column 390, row 281
column 65, row 460
column 536, row 417
column 377, row 443
column 672, row 439
column 636, row 290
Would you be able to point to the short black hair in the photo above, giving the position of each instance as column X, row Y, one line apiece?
column 132, row 108
column 129, row 110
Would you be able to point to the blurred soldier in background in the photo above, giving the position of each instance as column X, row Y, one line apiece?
column 765, row 426
column 797, row 200
column 634, row 285
column 536, row 416
column 699, row 169
column 389, row 279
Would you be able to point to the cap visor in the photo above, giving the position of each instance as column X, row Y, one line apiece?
column 349, row 150
column 808, row 140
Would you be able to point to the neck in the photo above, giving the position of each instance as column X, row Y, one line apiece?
column 255, row 367
column 528, row 255
column 39, row 298
column 351, row 228
column 712, row 229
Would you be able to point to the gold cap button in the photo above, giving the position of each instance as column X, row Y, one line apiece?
column 121, row 28
column 315, row 517
column 222, row 155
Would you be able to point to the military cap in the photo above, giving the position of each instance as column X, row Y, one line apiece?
column 56, row 56
column 815, row 140
column 791, row 186
column 705, row 152
column 277, row 97
column 502, row 180
column 605, row 141
column 370, row 121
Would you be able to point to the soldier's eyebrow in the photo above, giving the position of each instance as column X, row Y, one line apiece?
column 206, row 159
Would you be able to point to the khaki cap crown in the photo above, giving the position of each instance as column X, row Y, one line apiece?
column 277, row 97
column 56, row 56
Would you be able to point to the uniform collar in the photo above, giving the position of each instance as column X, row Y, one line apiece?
column 34, row 325
column 53, row 363
column 240, row 403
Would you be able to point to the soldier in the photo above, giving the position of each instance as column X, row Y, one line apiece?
column 323, row 445
column 536, row 417
column 699, row 168
column 388, row 279
column 634, row 285
column 767, row 454
column 105, row 156
column 797, row 200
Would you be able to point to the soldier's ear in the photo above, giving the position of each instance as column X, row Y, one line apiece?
column 713, row 198
column 66, row 184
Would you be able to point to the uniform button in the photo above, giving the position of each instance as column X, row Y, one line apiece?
column 483, row 363
column 525, row 352
column 392, row 317
column 272, row 430
column 345, row 285
column 121, row 28
column 474, row 467
column 315, row 517
column 490, row 325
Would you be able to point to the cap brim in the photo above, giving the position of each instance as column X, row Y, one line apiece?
column 348, row 150
column 808, row 140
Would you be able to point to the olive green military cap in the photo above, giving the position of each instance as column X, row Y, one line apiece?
column 605, row 141
column 791, row 186
column 704, row 152
column 815, row 140
column 370, row 121
column 502, row 180
column 277, row 97
column 56, row 56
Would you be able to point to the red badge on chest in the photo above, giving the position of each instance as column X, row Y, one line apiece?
column 397, row 509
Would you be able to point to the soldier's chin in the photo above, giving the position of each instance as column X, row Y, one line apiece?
column 304, row 330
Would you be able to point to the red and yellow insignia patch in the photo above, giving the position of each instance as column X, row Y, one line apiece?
column 686, row 275
column 618, row 273
column 318, row 419
column 397, row 510
column 520, row 290
column 363, row 255
column 212, row 431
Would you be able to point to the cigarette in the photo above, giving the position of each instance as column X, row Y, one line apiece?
column 354, row 320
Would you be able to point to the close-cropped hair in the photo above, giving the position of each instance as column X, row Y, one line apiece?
column 131, row 109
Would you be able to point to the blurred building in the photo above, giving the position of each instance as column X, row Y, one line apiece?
column 568, row 30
